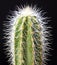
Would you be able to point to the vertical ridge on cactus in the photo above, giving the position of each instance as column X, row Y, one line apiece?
column 27, row 38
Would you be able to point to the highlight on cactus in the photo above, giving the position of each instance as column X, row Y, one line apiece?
column 27, row 37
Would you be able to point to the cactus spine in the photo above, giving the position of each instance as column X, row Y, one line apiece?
column 28, row 38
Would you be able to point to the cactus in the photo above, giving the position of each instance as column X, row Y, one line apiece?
column 26, row 34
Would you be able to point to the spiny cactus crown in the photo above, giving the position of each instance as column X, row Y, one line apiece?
column 27, row 35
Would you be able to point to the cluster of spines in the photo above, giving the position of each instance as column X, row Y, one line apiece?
column 27, row 45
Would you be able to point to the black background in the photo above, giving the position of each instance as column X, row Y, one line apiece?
column 47, row 5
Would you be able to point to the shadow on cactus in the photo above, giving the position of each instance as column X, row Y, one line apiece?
column 27, row 36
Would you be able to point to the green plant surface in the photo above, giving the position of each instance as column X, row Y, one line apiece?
column 28, row 49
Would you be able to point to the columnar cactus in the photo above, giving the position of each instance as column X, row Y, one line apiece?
column 27, row 37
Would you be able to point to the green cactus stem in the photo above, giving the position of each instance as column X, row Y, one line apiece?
column 28, row 45
column 28, row 49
